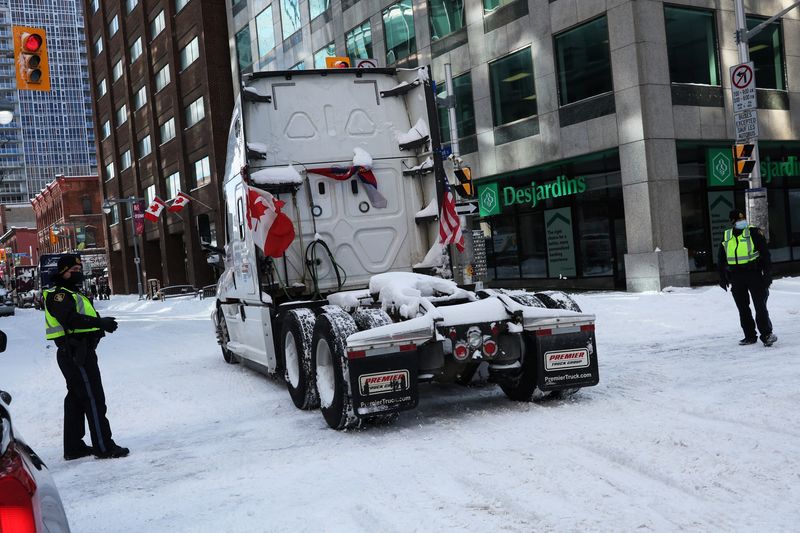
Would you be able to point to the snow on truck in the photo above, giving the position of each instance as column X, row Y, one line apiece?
column 326, row 174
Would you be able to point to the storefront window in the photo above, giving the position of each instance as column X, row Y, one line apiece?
column 465, row 111
column 766, row 52
column 504, row 248
column 243, row 49
column 778, row 236
column 794, row 211
column 290, row 17
column 398, row 27
column 512, row 87
column 358, row 42
column 584, row 62
column 265, row 32
column 446, row 16
column 533, row 246
column 692, row 46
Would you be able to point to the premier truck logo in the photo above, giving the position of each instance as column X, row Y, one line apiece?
column 565, row 359
column 384, row 382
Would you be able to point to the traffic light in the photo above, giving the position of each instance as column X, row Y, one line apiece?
column 30, row 58
column 337, row 62
column 465, row 188
column 744, row 161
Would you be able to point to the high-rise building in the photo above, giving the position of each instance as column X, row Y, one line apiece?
column 162, row 97
column 56, row 125
column 13, row 187
column 599, row 133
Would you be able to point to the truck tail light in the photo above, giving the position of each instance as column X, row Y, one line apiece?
column 489, row 347
column 17, row 488
column 544, row 332
column 587, row 327
column 356, row 354
column 461, row 352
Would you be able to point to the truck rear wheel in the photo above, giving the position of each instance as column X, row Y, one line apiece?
column 224, row 337
column 522, row 387
column 296, row 334
column 371, row 318
column 329, row 350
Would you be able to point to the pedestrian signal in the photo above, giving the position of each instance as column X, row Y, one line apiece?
column 337, row 62
column 30, row 58
column 744, row 161
column 465, row 187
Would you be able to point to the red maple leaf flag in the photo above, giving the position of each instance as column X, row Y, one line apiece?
column 449, row 222
column 154, row 211
column 180, row 202
column 272, row 230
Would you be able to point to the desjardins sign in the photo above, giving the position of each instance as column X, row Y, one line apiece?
column 492, row 199
column 719, row 164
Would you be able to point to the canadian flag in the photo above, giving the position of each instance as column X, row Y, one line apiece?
column 179, row 203
column 154, row 211
column 273, row 231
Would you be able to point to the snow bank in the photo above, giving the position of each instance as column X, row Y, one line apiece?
column 277, row 176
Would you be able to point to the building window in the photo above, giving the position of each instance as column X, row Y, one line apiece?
column 358, row 42
column 465, row 111
column 298, row 66
column 446, row 16
column 143, row 147
column 122, row 114
column 102, row 88
column 766, row 52
column 190, row 53
column 105, row 130
column 318, row 7
column 265, row 32
column 98, row 46
column 86, row 205
column 180, row 4
column 491, row 5
column 398, row 27
column 692, row 46
column 125, row 161
column 513, row 91
column 583, row 61
column 130, row 4
column 243, row 48
column 157, row 25
column 149, row 195
column 322, row 53
column 136, row 49
column 195, row 112
column 290, row 17
column 166, row 131
column 113, row 216
column 140, row 98
column 113, row 26
column 116, row 71
column 110, row 172
column 162, row 78
column 173, row 184
column 202, row 172
column 95, row 5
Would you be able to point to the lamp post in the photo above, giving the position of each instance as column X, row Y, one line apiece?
column 107, row 205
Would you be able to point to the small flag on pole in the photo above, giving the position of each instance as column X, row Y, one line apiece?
column 449, row 223
column 180, row 201
column 154, row 211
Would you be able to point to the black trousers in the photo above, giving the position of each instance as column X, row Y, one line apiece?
column 85, row 400
column 747, row 284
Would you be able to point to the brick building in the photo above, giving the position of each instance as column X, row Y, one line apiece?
column 19, row 245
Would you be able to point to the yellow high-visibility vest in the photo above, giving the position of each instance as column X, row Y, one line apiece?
column 53, row 328
column 739, row 250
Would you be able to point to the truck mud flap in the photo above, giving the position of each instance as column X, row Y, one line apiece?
column 566, row 360
column 384, row 383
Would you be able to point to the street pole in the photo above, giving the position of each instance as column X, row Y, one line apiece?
column 136, row 259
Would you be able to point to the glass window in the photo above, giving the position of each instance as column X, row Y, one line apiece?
column 398, row 27
column 195, row 112
column 116, row 71
column 105, row 130
column 533, row 245
column 162, row 78
column 95, row 5
column 190, row 53
column 113, row 26
column 595, row 238
column 766, row 52
column 691, row 45
column 202, row 172
column 298, row 66
column 290, row 17
column 583, row 62
column 322, row 53
column 136, row 49
column 157, row 25
column 125, row 160
column 98, row 46
column 149, row 195
column 318, row 7
column 143, row 147
column 465, row 111
column 513, row 91
column 166, row 131
column 173, row 184
column 491, row 5
column 446, row 16
column 359, row 42
column 504, row 247
column 130, row 4
column 140, row 98
column 113, row 216
column 110, row 172
column 102, row 88
column 243, row 48
column 180, row 4
column 265, row 32
column 122, row 115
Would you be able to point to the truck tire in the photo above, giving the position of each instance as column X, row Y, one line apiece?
column 370, row 318
column 297, row 331
column 522, row 387
column 223, row 337
column 330, row 362
column 558, row 300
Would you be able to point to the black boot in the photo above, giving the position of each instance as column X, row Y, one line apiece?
column 748, row 340
column 80, row 452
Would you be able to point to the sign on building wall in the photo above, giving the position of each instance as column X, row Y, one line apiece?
column 560, row 246
column 720, row 204
column 719, row 167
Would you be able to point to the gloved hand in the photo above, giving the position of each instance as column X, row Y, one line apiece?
column 109, row 324
column 723, row 283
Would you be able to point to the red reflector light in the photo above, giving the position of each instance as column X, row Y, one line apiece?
column 408, row 347
column 16, row 493
column 495, row 330
column 544, row 332
column 461, row 351
column 453, row 333
column 356, row 354
column 587, row 327
column 489, row 348
column 32, row 43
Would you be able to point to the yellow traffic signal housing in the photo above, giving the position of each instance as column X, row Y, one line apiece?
column 337, row 62
column 465, row 187
column 30, row 59
column 744, row 161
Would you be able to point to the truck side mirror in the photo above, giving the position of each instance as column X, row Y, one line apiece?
column 3, row 341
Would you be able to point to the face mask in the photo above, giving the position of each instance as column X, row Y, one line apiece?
column 740, row 224
column 76, row 278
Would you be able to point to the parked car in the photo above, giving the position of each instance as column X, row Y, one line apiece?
column 29, row 500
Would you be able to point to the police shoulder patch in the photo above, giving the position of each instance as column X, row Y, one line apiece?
column 59, row 297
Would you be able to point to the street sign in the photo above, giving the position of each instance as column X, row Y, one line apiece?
column 366, row 63
column 743, row 86
column 467, row 208
column 746, row 123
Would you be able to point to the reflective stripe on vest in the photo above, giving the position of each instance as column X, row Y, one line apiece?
column 53, row 329
column 739, row 250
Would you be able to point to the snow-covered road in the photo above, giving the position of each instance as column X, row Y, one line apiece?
column 686, row 431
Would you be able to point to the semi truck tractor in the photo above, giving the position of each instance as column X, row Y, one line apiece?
column 326, row 176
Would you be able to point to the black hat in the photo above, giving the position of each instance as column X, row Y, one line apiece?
column 68, row 261
column 736, row 214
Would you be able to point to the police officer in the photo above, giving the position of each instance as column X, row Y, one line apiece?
column 74, row 325
column 744, row 264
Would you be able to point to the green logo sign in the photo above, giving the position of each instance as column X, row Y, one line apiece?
column 789, row 168
column 489, row 200
column 719, row 164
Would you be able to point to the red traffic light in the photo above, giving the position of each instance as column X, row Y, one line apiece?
column 32, row 42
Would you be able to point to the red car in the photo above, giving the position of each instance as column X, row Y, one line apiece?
column 29, row 500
